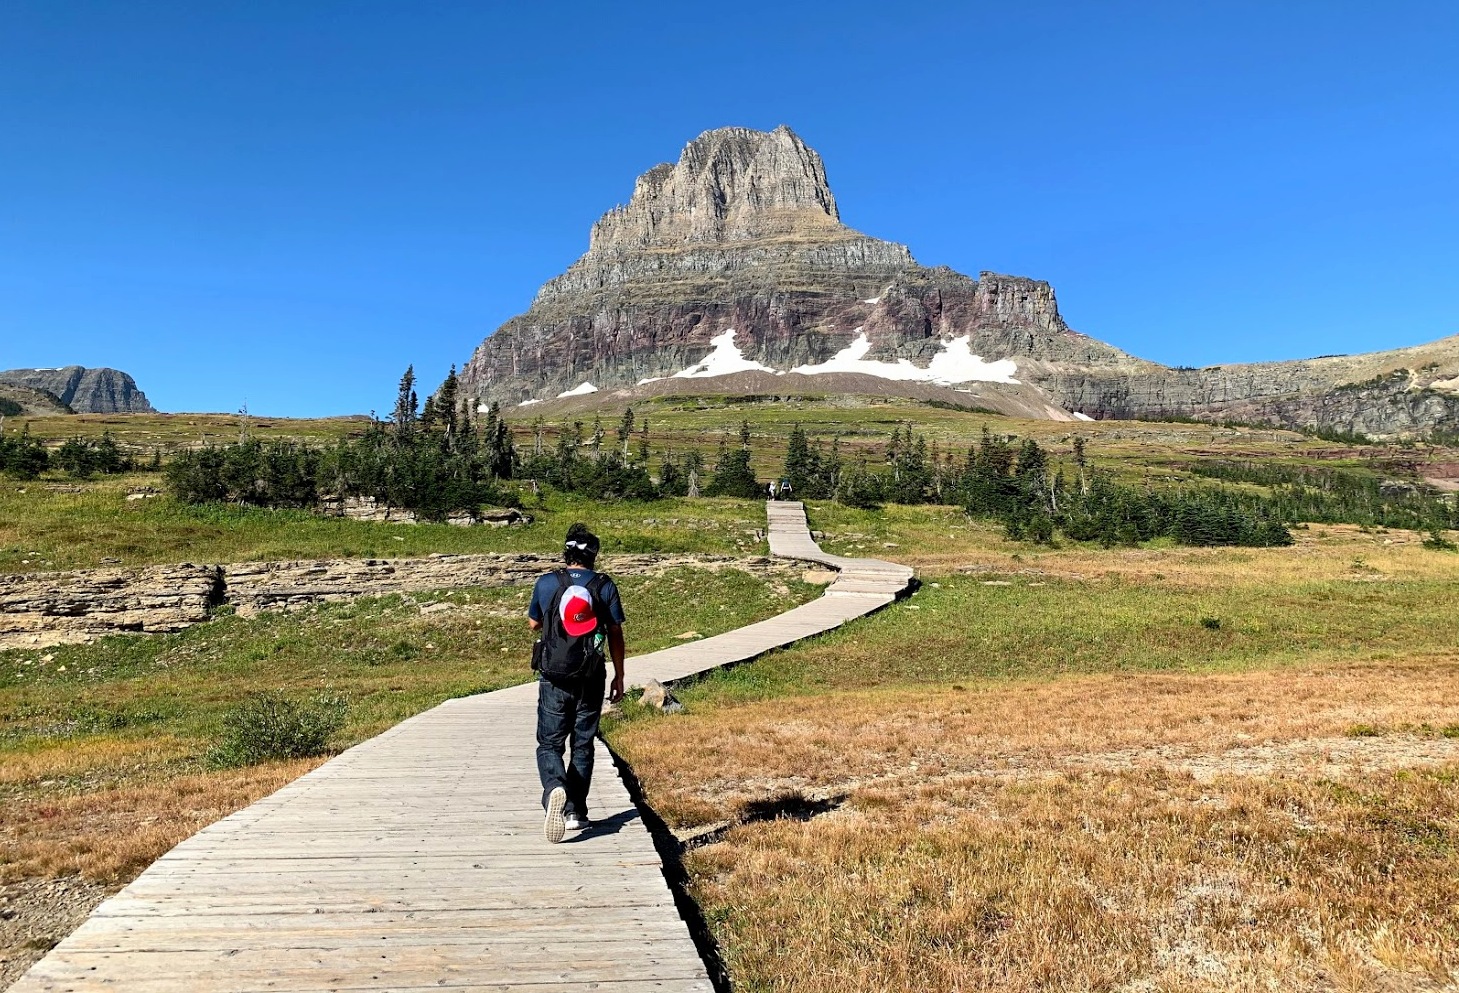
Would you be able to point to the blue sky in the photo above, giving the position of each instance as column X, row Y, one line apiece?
column 284, row 203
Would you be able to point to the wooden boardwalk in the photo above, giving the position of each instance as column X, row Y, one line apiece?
column 415, row 861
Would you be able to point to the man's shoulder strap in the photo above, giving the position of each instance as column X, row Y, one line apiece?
column 563, row 582
column 594, row 585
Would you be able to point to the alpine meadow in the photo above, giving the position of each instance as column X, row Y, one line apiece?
column 966, row 650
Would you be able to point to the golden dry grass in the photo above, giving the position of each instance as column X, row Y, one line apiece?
column 1279, row 721
column 99, row 757
column 1097, row 881
column 110, row 835
column 940, row 540
column 1290, row 829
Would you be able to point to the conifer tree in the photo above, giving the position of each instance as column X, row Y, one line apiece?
column 643, row 450
column 831, row 469
column 501, row 450
column 406, row 404
column 797, row 460
column 732, row 473
column 625, row 429
column 448, row 402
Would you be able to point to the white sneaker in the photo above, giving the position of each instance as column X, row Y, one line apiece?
column 554, row 825
column 576, row 822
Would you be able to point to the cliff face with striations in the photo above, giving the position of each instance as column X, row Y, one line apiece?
column 734, row 261
column 86, row 391
column 743, row 234
column 1404, row 392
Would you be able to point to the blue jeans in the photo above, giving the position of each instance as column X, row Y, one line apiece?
column 568, row 715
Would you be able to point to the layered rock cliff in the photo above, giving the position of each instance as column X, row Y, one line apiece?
column 86, row 391
column 734, row 261
column 1403, row 392
column 743, row 234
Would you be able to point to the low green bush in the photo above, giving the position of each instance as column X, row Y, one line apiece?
column 1438, row 543
column 85, row 457
column 22, row 456
column 268, row 727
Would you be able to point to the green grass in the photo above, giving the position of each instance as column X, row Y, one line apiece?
column 56, row 524
column 44, row 526
column 961, row 630
column 382, row 656
column 170, row 432
column 894, row 530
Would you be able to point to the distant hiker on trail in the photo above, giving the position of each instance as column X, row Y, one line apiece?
column 581, row 620
column 772, row 489
column 785, row 489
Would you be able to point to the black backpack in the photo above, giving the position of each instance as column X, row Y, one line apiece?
column 561, row 657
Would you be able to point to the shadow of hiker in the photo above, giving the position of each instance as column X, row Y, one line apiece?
column 606, row 826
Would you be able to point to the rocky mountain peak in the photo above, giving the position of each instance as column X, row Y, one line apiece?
column 729, row 185
column 731, row 269
column 735, row 258
column 86, row 391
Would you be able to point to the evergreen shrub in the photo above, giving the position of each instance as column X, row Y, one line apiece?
column 269, row 727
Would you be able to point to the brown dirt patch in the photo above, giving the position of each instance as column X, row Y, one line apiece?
column 35, row 914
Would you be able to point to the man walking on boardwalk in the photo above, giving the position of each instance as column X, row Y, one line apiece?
column 580, row 615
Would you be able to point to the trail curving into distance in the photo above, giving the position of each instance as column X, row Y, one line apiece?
column 415, row 861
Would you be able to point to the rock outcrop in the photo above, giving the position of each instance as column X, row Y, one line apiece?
column 367, row 508
column 1402, row 392
column 38, row 610
column 85, row 391
column 732, row 265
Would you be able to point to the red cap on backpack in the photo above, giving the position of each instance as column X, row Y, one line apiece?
column 576, row 610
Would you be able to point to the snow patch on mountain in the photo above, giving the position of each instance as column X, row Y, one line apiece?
column 955, row 363
column 724, row 358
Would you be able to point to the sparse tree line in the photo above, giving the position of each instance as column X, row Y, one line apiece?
column 1017, row 486
column 1325, row 495
column 585, row 460
column 445, row 459
column 433, row 462
column 24, row 457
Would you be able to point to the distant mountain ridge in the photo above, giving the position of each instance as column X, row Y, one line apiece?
column 85, row 391
column 731, row 270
